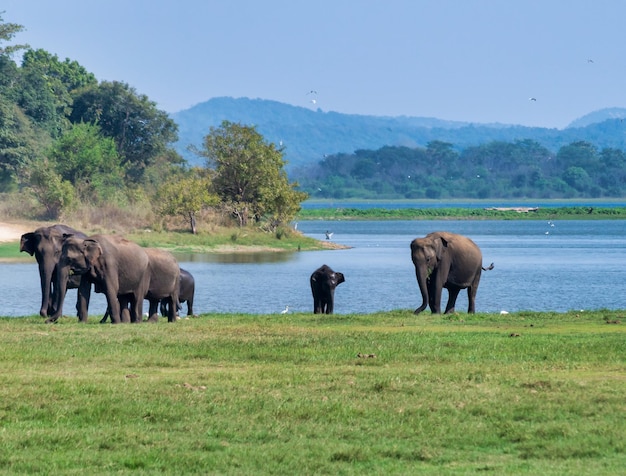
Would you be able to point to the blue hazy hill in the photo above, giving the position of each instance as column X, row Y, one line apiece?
column 308, row 135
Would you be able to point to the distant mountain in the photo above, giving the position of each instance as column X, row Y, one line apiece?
column 599, row 116
column 309, row 135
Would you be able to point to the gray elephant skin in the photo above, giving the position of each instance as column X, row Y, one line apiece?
column 164, row 283
column 186, row 293
column 323, row 283
column 117, row 267
column 446, row 260
column 45, row 244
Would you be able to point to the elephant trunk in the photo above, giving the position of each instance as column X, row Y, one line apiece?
column 421, row 281
column 45, row 273
column 60, row 288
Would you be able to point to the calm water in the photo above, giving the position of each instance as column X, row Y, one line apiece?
column 576, row 265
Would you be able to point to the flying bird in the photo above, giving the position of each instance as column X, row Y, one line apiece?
column 329, row 234
column 532, row 99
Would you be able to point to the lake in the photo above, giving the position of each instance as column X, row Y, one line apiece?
column 539, row 266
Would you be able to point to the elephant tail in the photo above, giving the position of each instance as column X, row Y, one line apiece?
column 489, row 268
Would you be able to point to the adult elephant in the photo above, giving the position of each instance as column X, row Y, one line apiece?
column 323, row 283
column 164, row 283
column 186, row 293
column 446, row 260
column 116, row 266
column 45, row 243
column 164, row 287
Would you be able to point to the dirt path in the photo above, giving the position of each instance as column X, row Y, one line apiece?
column 10, row 232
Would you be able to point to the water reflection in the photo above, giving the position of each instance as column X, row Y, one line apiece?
column 235, row 258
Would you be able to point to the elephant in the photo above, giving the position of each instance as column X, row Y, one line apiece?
column 164, row 283
column 45, row 243
column 323, row 283
column 116, row 266
column 446, row 260
column 186, row 293
column 164, row 286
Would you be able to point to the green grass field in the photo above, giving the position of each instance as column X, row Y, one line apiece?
column 386, row 393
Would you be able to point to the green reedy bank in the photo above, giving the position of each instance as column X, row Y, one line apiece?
column 385, row 393
column 556, row 213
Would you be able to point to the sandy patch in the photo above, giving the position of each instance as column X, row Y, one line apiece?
column 10, row 232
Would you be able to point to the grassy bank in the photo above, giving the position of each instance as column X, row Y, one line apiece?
column 386, row 393
column 224, row 240
column 556, row 213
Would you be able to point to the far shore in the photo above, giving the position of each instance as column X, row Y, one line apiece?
column 253, row 241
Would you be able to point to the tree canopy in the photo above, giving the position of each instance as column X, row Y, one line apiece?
column 496, row 169
column 249, row 175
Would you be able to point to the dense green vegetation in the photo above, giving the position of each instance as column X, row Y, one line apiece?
column 386, row 393
column 69, row 142
column 519, row 169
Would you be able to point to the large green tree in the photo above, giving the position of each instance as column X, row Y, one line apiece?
column 46, row 88
column 141, row 131
column 250, row 178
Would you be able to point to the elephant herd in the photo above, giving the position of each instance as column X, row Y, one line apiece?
column 122, row 270
column 128, row 273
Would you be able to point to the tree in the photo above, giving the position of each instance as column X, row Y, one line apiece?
column 186, row 197
column 46, row 87
column 89, row 161
column 141, row 131
column 20, row 144
column 54, row 193
column 7, row 32
column 249, row 175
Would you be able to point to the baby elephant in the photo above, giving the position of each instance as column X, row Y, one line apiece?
column 186, row 292
column 323, row 283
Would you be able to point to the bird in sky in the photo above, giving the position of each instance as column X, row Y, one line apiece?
column 532, row 99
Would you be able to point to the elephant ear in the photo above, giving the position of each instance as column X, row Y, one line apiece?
column 92, row 251
column 27, row 243
column 440, row 245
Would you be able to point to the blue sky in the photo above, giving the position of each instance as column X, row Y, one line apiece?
column 466, row 60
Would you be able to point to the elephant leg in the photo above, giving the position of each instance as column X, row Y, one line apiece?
column 330, row 302
column 124, row 310
column 453, row 293
column 82, row 302
column 435, row 291
column 153, row 311
column 190, row 307
column 114, row 307
column 125, row 315
column 471, row 295
column 136, row 309
column 317, row 304
column 432, row 299
column 106, row 316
